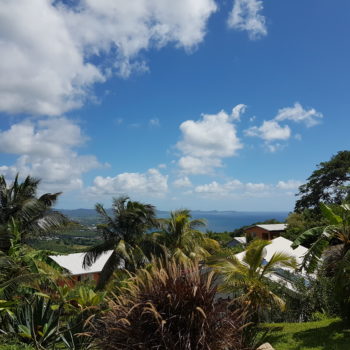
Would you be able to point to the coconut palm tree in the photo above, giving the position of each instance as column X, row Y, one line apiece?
column 126, row 234
column 33, row 215
column 247, row 279
column 182, row 237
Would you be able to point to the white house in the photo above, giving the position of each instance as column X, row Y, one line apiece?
column 280, row 244
column 73, row 263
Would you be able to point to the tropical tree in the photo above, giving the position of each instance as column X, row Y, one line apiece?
column 125, row 234
column 182, row 237
column 32, row 215
column 247, row 280
column 328, row 184
column 330, row 251
column 334, row 236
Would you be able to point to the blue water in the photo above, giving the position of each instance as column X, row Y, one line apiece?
column 229, row 221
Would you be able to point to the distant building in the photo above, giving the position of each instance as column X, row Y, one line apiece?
column 237, row 241
column 73, row 263
column 268, row 231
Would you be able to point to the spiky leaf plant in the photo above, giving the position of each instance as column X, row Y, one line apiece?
column 170, row 306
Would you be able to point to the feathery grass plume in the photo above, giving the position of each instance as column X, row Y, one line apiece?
column 170, row 306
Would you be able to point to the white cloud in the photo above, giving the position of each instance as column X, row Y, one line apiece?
column 48, row 49
column 152, row 183
column 182, row 182
column 214, row 188
column 237, row 189
column 246, row 16
column 237, row 111
column 46, row 149
column 194, row 165
column 256, row 186
column 270, row 130
column 206, row 141
column 300, row 115
column 289, row 185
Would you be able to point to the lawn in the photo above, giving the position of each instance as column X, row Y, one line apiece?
column 330, row 334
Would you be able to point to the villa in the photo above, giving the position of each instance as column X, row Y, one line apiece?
column 73, row 263
column 282, row 275
column 265, row 231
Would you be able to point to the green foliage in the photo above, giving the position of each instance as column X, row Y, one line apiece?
column 125, row 234
column 328, row 183
column 10, row 342
column 20, row 206
column 311, row 296
column 181, row 236
column 247, row 280
column 222, row 237
column 297, row 223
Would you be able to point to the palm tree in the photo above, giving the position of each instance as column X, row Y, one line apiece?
column 248, row 279
column 126, row 234
column 32, row 215
column 182, row 237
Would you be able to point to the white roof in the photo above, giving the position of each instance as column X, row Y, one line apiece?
column 281, row 244
column 241, row 240
column 74, row 262
column 273, row 227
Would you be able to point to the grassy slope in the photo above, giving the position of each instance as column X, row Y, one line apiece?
column 330, row 334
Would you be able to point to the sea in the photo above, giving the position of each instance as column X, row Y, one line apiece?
column 221, row 221
column 217, row 221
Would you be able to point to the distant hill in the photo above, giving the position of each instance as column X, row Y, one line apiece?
column 217, row 221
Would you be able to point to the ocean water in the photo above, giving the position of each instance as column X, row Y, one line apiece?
column 220, row 221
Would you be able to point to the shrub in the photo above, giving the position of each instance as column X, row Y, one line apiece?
column 170, row 306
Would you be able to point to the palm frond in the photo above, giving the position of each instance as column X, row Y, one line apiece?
column 95, row 252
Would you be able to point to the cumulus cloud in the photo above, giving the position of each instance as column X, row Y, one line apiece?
column 182, row 182
column 152, row 183
column 270, row 130
column 46, row 149
column 246, row 16
column 237, row 189
column 206, row 141
column 48, row 49
column 289, row 185
column 299, row 115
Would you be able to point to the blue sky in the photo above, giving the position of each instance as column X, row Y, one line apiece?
column 202, row 104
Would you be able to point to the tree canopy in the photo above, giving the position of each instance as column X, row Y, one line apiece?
column 327, row 184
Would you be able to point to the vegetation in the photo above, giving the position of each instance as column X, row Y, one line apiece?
column 182, row 238
column 167, row 284
column 125, row 234
column 332, row 245
column 321, row 335
column 328, row 183
column 247, row 279
column 170, row 306
column 21, row 210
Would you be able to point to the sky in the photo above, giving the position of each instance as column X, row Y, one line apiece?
column 199, row 104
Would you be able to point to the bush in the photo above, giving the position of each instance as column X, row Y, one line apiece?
column 173, row 307
column 309, row 301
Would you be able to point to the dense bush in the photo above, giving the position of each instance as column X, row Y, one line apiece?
column 173, row 307
column 310, row 301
